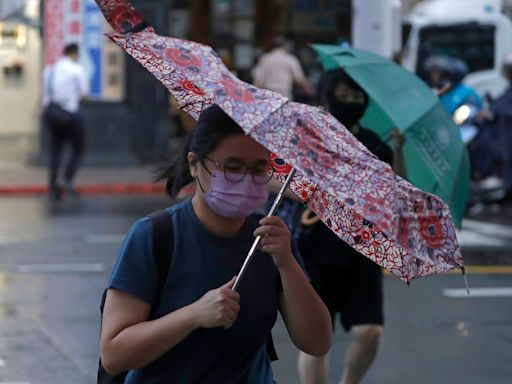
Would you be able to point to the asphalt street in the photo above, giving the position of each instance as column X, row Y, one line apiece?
column 55, row 260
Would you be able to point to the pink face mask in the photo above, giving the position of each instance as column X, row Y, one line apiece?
column 235, row 200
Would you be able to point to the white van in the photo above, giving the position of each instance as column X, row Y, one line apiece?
column 476, row 31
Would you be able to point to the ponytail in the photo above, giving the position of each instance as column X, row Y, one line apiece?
column 177, row 174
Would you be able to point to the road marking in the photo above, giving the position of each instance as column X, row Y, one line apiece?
column 478, row 292
column 484, row 235
column 473, row 239
column 12, row 382
column 104, row 239
column 491, row 229
column 12, row 240
column 65, row 268
column 2, row 363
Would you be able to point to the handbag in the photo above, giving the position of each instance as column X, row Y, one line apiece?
column 54, row 113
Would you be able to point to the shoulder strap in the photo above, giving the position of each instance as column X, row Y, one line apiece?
column 51, row 75
column 163, row 245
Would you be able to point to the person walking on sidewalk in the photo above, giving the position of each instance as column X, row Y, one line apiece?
column 198, row 329
column 278, row 70
column 65, row 84
column 349, row 283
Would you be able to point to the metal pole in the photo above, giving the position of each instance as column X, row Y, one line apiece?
column 257, row 240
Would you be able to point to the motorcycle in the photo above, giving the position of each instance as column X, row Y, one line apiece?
column 474, row 133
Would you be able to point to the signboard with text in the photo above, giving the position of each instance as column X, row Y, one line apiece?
column 81, row 22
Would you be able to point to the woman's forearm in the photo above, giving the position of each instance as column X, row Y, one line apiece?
column 306, row 317
column 142, row 343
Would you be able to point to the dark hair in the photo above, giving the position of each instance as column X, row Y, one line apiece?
column 71, row 49
column 213, row 126
column 280, row 42
column 328, row 82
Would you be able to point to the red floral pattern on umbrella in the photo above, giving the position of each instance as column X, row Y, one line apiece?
column 406, row 231
column 182, row 57
column 189, row 86
column 121, row 15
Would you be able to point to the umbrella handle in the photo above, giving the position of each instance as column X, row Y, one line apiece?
column 250, row 255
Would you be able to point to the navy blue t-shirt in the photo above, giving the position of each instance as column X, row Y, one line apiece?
column 202, row 261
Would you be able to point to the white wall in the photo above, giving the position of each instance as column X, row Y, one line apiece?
column 375, row 26
column 19, row 100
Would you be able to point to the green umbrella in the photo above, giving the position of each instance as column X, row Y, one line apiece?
column 435, row 156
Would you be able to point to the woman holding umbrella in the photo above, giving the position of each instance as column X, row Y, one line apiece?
column 202, row 330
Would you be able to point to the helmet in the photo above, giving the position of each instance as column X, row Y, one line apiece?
column 450, row 69
column 458, row 71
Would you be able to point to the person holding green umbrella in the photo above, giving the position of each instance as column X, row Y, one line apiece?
column 348, row 283
column 436, row 157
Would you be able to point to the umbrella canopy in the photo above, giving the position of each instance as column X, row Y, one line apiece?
column 406, row 231
column 436, row 157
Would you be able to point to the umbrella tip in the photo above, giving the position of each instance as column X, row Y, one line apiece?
column 463, row 270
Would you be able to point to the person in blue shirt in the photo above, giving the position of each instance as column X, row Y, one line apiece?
column 202, row 331
column 447, row 74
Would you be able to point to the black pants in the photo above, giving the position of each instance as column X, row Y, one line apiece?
column 58, row 136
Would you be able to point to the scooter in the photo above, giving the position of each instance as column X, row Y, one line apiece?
column 491, row 189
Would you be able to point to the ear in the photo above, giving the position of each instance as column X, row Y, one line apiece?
column 193, row 164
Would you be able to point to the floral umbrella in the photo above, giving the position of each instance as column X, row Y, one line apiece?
column 403, row 229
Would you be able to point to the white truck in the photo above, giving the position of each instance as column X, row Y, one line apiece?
column 476, row 31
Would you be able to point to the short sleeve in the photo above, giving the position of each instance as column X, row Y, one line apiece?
column 134, row 271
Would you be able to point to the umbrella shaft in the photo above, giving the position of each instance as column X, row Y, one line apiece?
column 249, row 256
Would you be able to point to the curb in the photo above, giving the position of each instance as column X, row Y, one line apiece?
column 87, row 189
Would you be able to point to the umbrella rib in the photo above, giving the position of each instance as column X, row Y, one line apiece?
column 183, row 106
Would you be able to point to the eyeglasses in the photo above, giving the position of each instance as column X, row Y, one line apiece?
column 235, row 171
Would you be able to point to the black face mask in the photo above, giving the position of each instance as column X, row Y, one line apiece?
column 347, row 113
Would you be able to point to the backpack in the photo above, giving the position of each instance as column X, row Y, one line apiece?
column 162, row 242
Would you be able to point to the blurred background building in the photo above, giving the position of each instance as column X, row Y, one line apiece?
column 130, row 118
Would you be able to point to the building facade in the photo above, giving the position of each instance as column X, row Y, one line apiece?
column 130, row 119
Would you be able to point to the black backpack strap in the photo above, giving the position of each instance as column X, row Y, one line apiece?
column 271, row 348
column 163, row 246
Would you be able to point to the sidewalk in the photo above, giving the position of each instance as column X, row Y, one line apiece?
column 19, row 179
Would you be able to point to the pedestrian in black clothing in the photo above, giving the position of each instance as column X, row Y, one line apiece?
column 349, row 283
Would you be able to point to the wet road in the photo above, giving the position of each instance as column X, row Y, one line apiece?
column 55, row 260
